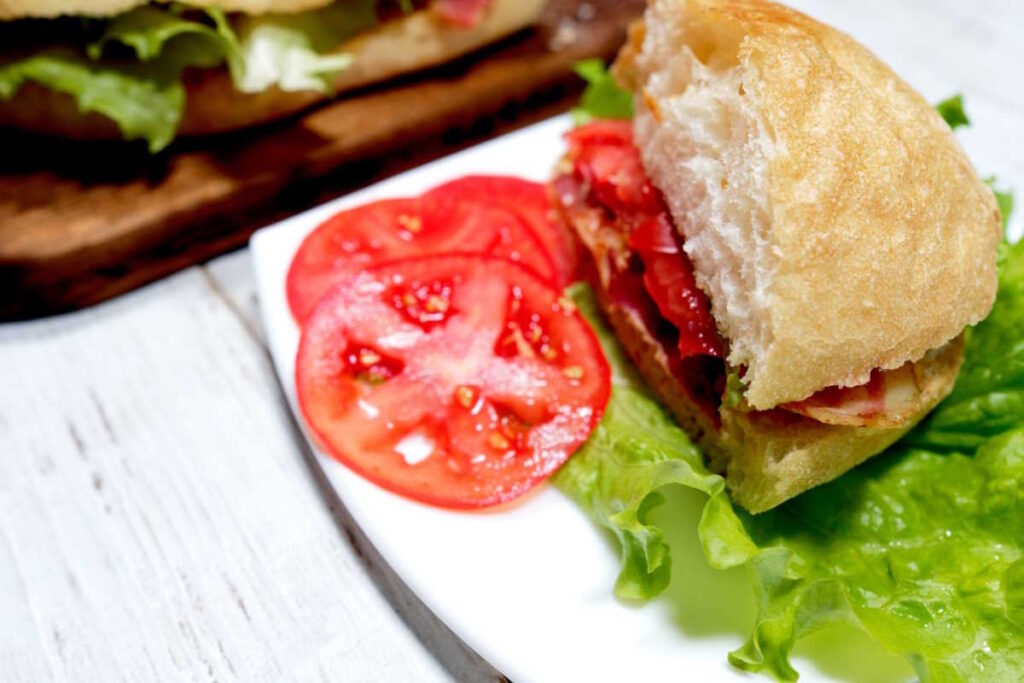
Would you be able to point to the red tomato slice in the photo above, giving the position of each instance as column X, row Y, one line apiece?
column 400, row 228
column 531, row 203
column 669, row 279
column 460, row 381
column 606, row 159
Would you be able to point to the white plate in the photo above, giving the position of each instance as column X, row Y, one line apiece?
column 530, row 587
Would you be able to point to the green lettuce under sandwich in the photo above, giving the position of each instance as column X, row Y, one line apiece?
column 140, row 70
column 921, row 547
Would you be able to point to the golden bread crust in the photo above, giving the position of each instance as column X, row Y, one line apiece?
column 885, row 237
column 767, row 461
column 415, row 41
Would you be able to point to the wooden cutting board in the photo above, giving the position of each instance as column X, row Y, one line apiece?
column 83, row 222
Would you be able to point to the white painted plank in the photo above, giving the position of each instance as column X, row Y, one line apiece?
column 157, row 519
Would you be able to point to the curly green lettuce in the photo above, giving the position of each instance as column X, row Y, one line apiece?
column 132, row 73
column 922, row 547
column 143, row 100
column 952, row 110
column 603, row 98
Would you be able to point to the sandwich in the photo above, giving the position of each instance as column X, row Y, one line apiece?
column 787, row 239
column 108, row 69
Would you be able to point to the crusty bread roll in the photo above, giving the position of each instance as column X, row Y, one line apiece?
column 829, row 212
column 831, row 218
column 769, row 458
column 415, row 41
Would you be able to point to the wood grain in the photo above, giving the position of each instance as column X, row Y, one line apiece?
column 80, row 223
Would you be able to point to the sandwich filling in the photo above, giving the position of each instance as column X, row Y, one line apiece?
column 133, row 67
column 640, row 262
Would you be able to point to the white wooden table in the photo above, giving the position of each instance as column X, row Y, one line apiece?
column 160, row 517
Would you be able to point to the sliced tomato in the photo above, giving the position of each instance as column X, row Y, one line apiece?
column 460, row 381
column 669, row 279
column 530, row 202
column 399, row 228
column 466, row 13
column 606, row 159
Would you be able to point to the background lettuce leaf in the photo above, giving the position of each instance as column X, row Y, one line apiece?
column 157, row 33
column 922, row 547
column 132, row 73
column 295, row 51
column 142, row 99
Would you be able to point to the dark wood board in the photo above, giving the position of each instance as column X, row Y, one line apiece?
column 83, row 222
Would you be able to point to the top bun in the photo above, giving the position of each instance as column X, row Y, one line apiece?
column 831, row 216
column 25, row 9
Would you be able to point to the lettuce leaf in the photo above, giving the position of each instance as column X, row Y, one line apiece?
column 989, row 395
column 154, row 33
column 143, row 100
column 922, row 547
column 293, row 51
column 603, row 97
column 952, row 110
column 133, row 72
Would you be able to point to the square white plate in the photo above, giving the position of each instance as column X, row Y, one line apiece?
column 529, row 587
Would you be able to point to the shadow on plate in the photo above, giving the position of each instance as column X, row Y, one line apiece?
column 706, row 602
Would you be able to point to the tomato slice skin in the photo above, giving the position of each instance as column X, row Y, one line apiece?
column 495, row 423
column 390, row 229
column 531, row 202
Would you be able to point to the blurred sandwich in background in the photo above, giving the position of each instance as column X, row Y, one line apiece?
column 109, row 69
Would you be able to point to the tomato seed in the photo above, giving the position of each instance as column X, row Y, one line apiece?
column 436, row 304
column 411, row 223
column 368, row 358
column 573, row 372
column 466, row 396
column 498, row 441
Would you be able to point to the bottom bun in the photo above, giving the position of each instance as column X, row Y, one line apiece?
column 409, row 43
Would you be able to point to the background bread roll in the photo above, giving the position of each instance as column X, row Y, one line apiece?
column 23, row 9
column 830, row 214
column 414, row 41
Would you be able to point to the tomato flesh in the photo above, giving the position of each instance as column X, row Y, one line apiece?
column 459, row 380
column 530, row 202
column 608, row 167
column 669, row 279
column 400, row 228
